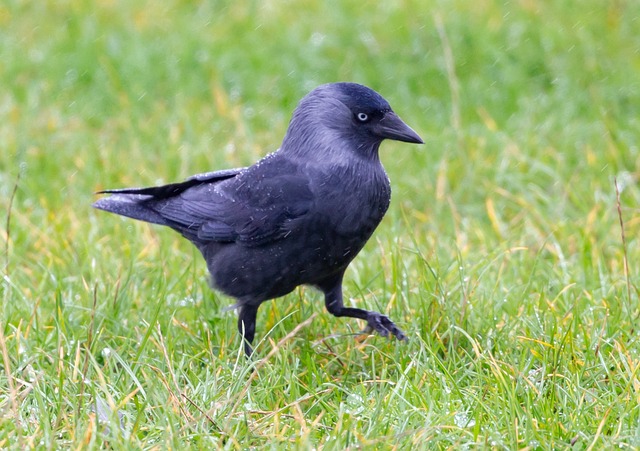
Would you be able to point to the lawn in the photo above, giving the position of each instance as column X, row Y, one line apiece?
column 510, row 255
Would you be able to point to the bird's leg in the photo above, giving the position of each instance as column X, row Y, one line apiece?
column 247, row 326
column 378, row 322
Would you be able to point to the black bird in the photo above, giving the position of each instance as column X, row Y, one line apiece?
column 296, row 217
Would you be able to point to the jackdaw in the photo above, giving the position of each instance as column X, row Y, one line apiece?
column 298, row 216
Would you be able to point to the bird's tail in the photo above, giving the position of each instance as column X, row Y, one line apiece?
column 130, row 203
column 144, row 204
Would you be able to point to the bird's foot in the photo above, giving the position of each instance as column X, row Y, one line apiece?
column 383, row 325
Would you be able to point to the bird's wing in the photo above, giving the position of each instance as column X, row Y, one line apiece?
column 252, row 207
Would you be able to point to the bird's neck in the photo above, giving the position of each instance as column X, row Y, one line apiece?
column 322, row 145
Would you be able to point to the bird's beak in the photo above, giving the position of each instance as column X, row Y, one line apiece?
column 392, row 127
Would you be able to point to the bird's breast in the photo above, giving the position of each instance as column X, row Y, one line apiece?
column 353, row 203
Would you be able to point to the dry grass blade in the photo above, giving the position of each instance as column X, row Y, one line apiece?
column 13, row 393
column 624, row 248
column 8, row 224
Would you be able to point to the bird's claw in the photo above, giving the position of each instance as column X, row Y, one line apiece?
column 383, row 325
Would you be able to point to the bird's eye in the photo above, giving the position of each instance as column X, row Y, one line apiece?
column 362, row 117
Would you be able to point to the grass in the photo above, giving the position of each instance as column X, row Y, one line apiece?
column 502, row 255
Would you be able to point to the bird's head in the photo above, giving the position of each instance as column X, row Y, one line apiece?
column 336, row 116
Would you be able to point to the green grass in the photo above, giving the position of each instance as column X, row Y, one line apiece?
column 501, row 256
